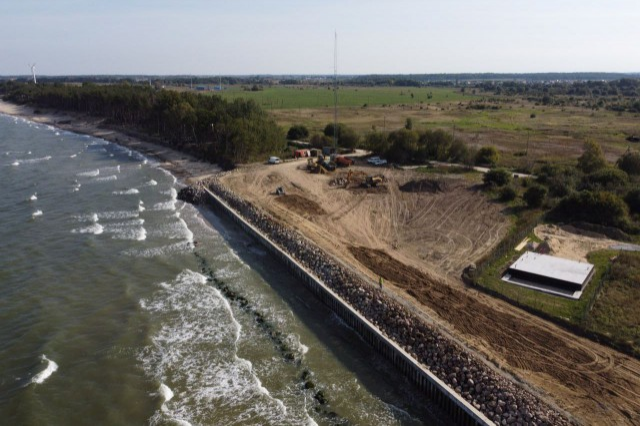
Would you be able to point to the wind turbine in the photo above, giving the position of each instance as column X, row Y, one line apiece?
column 33, row 72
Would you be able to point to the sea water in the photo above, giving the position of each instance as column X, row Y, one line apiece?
column 121, row 305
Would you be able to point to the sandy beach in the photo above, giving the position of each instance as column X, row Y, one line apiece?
column 184, row 166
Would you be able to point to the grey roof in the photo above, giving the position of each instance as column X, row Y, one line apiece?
column 553, row 267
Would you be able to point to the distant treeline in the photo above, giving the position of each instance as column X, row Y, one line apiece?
column 209, row 127
column 409, row 80
column 616, row 95
column 167, row 80
column 417, row 80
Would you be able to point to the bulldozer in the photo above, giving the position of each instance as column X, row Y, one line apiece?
column 319, row 165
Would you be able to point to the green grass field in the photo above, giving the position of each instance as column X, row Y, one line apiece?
column 295, row 97
column 615, row 313
column 572, row 311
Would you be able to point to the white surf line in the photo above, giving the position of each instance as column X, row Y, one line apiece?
column 248, row 365
column 51, row 368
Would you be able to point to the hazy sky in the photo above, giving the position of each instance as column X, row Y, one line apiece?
column 296, row 37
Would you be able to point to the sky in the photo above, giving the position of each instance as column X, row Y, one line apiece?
column 243, row 37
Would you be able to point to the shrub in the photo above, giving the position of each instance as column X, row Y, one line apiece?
column 403, row 146
column 297, row 132
column 487, row 156
column 346, row 137
column 508, row 193
column 497, row 177
column 607, row 178
column 592, row 159
column 408, row 123
column 630, row 163
column 534, row 195
column 633, row 200
column 319, row 140
column 560, row 179
column 603, row 208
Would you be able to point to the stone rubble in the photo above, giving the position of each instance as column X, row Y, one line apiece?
column 498, row 398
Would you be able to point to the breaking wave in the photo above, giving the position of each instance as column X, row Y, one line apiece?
column 51, row 368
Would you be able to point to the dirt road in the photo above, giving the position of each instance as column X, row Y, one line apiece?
column 419, row 238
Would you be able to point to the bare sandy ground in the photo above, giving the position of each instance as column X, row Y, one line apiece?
column 438, row 227
column 182, row 165
column 419, row 242
column 572, row 245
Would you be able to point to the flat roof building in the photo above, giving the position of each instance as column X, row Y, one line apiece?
column 550, row 274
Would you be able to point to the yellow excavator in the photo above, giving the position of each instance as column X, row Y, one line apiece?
column 373, row 181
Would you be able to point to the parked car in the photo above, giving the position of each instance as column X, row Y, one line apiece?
column 373, row 160
column 379, row 162
column 275, row 160
column 343, row 161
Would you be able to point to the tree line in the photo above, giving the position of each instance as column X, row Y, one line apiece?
column 209, row 127
column 617, row 95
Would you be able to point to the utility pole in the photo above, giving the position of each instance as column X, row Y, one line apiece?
column 335, row 92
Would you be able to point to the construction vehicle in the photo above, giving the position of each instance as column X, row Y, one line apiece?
column 342, row 161
column 373, row 181
column 348, row 181
column 319, row 165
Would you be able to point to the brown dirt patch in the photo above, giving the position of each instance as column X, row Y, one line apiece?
column 407, row 233
column 520, row 343
column 430, row 185
column 300, row 205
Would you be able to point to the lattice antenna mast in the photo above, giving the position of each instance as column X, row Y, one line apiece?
column 335, row 91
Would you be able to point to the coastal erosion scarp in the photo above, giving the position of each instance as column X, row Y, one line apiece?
column 462, row 385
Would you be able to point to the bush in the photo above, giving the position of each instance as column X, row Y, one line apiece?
column 629, row 162
column 346, row 136
column 403, row 146
column 408, row 123
column 488, row 156
column 603, row 208
column 534, row 195
column 560, row 179
column 458, row 151
column 608, row 178
column 319, row 140
column 376, row 142
column 592, row 159
column 297, row 132
column 633, row 200
column 508, row 193
column 497, row 177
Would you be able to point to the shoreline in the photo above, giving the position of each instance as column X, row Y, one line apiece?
column 499, row 398
column 184, row 166
column 193, row 171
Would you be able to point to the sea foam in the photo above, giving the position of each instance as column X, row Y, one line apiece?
column 131, row 191
column 95, row 229
column 105, row 178
column 166, row 393
column 51, row 368
column 91, row 173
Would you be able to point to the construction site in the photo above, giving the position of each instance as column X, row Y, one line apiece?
column 416, row 233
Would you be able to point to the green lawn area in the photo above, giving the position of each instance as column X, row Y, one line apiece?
column 292, row 97
column 569, row 310
column 616, row 312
